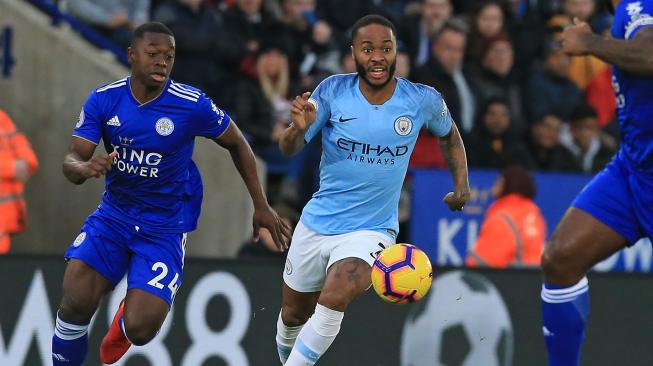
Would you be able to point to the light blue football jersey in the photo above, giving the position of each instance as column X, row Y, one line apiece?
column 365, row 153
column 153, row 183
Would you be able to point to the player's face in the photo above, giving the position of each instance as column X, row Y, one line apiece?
column 152, row 58
column 375, row 55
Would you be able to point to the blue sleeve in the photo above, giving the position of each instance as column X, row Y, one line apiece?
column 437, row 116
column 89, row 124
column 320, row 99
column 634, row 16
column 209, row 120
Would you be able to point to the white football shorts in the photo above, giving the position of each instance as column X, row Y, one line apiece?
column 311, row 254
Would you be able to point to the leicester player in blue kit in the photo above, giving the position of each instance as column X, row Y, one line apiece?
column 153, row 194
column 369, row 123
column 616, row 208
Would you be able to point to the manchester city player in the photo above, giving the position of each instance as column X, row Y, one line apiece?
column 369, row 123
column 153, row 194
column 616, row 208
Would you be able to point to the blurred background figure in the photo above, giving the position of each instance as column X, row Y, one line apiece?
column 513, row 231
column 495, row 143
column 545, row 148
column 591, row 148
column 17, row 164
column 487, row 23
column 198, row 49
column 114, row 19
column 417, row 29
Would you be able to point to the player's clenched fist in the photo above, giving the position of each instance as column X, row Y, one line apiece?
column 303, row 112
column 577, row 38
column 98, row 165
column 456, row 200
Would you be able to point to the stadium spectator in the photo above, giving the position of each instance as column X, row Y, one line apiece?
column 195, row 26
column 591, row 150
column 487, row 23
column 403, row 65
column 444, row 71
column 544, row 146
column 495, row 77
column 17, row 164
column 513, row 231
column 494, row 143
column 417, row 30
column 246, row 26
column 114, row 19
column 549, row 89
column 312, row 51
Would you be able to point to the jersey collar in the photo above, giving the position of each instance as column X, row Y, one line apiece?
column 139, row 104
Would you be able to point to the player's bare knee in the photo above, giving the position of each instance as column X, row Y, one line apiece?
column 560, row 263
column 76, row 310
column 139, row 333
column 336, row 300
column 295, row 316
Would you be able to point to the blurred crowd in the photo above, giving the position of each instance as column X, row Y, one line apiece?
column 516, row 97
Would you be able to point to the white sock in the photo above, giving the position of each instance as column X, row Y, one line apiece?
column 316, row 337
column 286, row 337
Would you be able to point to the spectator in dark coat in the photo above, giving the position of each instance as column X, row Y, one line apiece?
column 544, row 145
column 591, row 149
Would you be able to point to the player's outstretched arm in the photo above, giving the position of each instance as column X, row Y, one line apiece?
column 80, row 164
column 243, row 157
column 454, row 154
column 634, row 55
column 303, row 114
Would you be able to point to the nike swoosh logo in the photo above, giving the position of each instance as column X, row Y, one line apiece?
column 346, row 119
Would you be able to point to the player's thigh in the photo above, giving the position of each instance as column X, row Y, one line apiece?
column 350, row 266
column 306, row 262
column 83, row 289
column 579, row 242
column 156, row 264
column 97, row 262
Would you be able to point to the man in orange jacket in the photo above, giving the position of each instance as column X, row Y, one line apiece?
column 17, row 163
column 513, row 231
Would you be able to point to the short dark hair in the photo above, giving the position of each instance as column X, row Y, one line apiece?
column 151, row 27
column 519, row 180
column 454, row 25
column 372, row 19
column 582, row 111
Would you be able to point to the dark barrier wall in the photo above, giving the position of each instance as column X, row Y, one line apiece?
column 446, row 236
column 225, row 314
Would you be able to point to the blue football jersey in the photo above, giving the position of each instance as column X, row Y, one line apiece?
column 634, row 92
column 153, row 183
column 365, row 154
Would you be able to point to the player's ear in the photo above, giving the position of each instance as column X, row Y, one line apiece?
column 130, row 54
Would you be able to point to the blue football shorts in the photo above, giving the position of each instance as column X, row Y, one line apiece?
column 621, row 198
column 153, row 261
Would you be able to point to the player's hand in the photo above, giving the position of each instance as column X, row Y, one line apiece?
column 456, row 200
column 576, row 38
column 303, row 112
column 98, row 165
column 269, row 219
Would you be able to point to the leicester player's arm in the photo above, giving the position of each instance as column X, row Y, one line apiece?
column 454, row 154
column 634, row 55
column 243, row 157
column 80, row 164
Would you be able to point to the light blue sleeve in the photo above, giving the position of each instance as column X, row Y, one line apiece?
column 437, row 116
column 320, row 99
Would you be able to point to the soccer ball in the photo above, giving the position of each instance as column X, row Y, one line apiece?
column 402, row 274
column 463, row 322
